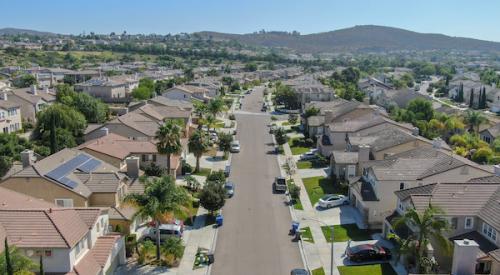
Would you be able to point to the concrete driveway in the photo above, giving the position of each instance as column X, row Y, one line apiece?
column 339, row 215
column 254, row 238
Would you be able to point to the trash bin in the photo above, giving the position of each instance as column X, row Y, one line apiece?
column 295, row 227
column 219, row 220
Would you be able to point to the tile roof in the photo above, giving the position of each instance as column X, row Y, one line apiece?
column 48, row 228
column 89, row 215
column 103, row 247
column 345, row 157
column 163, row 112
column 494, row 130
column 382, row 138
column 13, row 200
column 138, row 122
column 118, row 146
column 124, row 212
column 27, row 95
column 490, row 213
column 100, row 182
column 87, row 266
column 161, row 100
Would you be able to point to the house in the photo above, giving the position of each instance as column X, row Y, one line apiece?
column 115, row 150
column 10, row 115
column 468, row 86
column 211, row 84
column 309, row 89
column 143, row 122
column 187, row 93
column 373, row 87
column 73, row 178
column 163, row 101
column 472, row 210
column 490, row 134
column 31, row 100
column 109, row 89
column 373, row 193
column 314, row 124
column 397, row 98
column 68, row 240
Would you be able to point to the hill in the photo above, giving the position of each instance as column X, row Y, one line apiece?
column 14, row 31
column 359, row 39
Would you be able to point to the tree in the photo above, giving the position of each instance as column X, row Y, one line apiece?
column 59, row 116
column 421, row 108
column 286, row 96
column 13, row 261
column 251, row 67
column 216, row 177
column 173, row 246
column 311, row 111
column 482, row 155
column 213, row 196
column 198, row 144
column 192, row 183
column 294, row 191
column 474, row 120
column 169, row 141
column 224, row 142
column 460, row 95
column 280, row 136
column 471, row 98
column 482, row 99
column 161, row 196
column 427, row 225
column 94, row 110
column 216, row 106
column 210, row 121
column 141, row 93
column 292, row 119
column 25, row 81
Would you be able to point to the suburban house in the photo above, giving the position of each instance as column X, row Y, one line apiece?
column 373, row 87
column 10, row 115
column 31, row 100
column 68, row 240
column 115, row 150
column 314, row 125
column 109, row 89
column 308, row 89
column 163, row 101
column 396, row 98
column 211, row 84
column 469, row 86
column 472, row 210
column 373, row 193
column 73, row 178
column 187, row 93
column 143, row 122
column 490, row 134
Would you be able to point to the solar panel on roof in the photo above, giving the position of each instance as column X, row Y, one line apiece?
column 68, row 182
column 64, row 169
column 90, row 165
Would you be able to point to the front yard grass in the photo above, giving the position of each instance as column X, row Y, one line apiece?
column 317, row 187
column 312, row 164
column 300, row 146
column 372, row 269
column 297, row 204
column 306, row 235
column 318, row 271
column 203, row 172
column 345, row 232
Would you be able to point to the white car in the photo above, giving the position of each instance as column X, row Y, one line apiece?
column 235, row 146
column 328, row 201
column 309, row 155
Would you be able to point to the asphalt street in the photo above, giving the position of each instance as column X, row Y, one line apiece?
column 254, row 238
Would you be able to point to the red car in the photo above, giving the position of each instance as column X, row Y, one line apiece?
column 368, row 252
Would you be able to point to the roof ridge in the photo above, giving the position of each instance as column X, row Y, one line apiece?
column 57, row 228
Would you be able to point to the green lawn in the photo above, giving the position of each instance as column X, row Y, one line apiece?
column 299, row 146
column 306, row 234
column 297, row 204
column 345, row 232
column 286, row 123
column 318, row 271
column 203, row 172
column 317, row 187
column 373, row 269
column 312, row 164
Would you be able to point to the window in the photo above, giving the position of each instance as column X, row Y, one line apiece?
column 154, row 157
column 143, row 158
column 469, row 222
column 64, row 202
column 400, row 206
column 48, row 253
column 453, row 223
column 489, row 232
column 402, row 186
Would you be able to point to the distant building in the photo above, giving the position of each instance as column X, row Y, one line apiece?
column 10, row 114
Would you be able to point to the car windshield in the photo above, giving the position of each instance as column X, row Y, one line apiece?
column 281, row 181
column 228, row 187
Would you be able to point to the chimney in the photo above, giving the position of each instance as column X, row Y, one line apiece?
column 363, row 153
column 464, row 257
column 415, row 131
column 497, row 169
column 34, row 90
column 437, row 143
column 132, row 167
column 27, row 158
column 102, row 132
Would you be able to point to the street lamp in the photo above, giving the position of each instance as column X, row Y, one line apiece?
column 331, row 240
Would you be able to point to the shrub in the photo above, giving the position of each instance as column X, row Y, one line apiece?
column 274, row 118
column 482, row 155
column 294, row 191
column 232, row 117
column 186, row 168
column 154, row 170
column 217, row 177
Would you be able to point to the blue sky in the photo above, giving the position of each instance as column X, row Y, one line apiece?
column 477, row 19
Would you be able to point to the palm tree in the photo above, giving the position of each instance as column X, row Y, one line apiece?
column 474, row 119
column 215, row 106
column 198, row 144
column 169, row 140
column 425, row 226
column 200, row 109
column 210, row 121
column 160, row 196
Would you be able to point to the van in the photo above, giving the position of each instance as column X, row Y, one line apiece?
column 166, row 231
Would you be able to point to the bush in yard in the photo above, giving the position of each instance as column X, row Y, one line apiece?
column 186, row 168
column 192, row 183
column 173, row 249
column 146, row 249
column 294, row 191
column 482, row 155
column 280, row 136
column 292, row 119
column 274, row 118
column 217, row 177
column 213, row 196
column 232, row 117
column 154, row 170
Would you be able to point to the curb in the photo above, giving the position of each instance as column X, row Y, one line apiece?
column 292, row 213
column 212, row 248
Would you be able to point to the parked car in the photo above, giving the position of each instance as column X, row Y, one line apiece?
column 368, row 252
column 280, row 184
column 235, row 146
column 229, row 186
column 264, row 108
column 166, row 231
column 227, row 171
column 328, row 201
column 309, row 155
column 299, row 271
